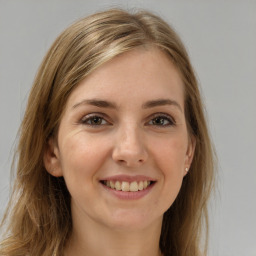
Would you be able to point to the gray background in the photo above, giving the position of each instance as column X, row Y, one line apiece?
column 221, row 40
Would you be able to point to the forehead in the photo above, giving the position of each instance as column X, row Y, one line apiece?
column 140, row 74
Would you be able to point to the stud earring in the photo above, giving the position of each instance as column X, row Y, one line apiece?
column 186, row 169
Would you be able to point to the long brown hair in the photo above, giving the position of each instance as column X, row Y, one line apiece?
column 38, row 215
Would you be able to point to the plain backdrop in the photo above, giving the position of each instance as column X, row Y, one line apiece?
column 221, row 40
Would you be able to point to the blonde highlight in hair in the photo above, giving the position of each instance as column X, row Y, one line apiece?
column 39, row 210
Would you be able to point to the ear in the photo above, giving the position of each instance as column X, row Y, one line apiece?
column 190, row 153
column 52, row 159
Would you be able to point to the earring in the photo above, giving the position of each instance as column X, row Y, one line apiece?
column 186, row 169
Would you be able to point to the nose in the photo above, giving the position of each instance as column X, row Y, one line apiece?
column 129, row 149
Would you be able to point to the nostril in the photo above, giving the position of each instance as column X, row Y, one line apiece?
column 130, row 162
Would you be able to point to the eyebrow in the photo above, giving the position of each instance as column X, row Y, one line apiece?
column 96, row 103
column 108, row 104
column 161, row 102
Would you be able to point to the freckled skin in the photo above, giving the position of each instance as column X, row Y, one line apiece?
column 127, row 143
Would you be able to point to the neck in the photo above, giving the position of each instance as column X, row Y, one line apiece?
column 91, row 238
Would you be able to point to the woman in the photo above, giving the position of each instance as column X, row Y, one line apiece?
column 114, row 155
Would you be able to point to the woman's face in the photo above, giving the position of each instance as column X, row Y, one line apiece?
column 123, row 144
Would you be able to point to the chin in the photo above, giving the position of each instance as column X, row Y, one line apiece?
column 132, row 221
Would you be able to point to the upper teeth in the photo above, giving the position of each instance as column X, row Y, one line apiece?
column 127, row 186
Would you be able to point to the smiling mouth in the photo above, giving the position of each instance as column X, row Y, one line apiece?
column 126, row 186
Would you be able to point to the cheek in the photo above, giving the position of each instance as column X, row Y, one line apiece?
column 81, row 158
column 170, row 159
column 171, row 154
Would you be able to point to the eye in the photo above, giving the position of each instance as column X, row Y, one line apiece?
column 93, row 120
column 162, row 120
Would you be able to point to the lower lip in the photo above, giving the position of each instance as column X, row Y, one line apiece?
column 129, row 195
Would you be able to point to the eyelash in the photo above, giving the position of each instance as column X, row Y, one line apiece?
column 171, row 120
column 87, row 120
